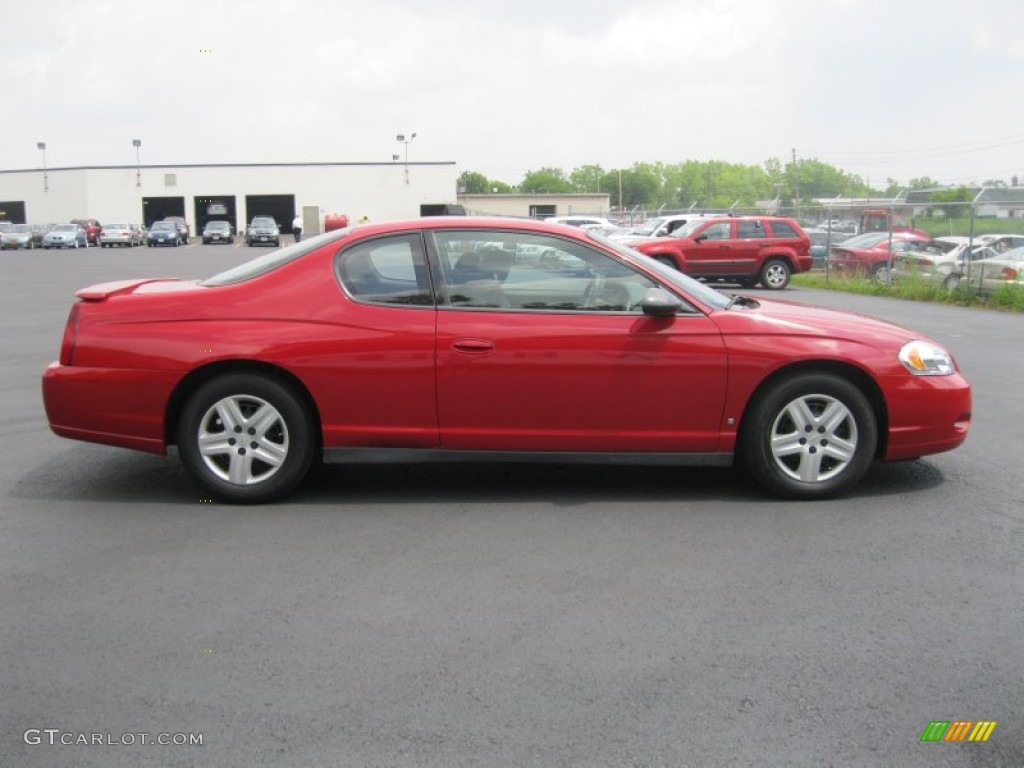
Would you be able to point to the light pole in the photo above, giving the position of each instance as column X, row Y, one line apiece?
column 46, row 182
column 401, row 137
column 138, row 167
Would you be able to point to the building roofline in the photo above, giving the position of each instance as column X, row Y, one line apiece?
column 225, row 165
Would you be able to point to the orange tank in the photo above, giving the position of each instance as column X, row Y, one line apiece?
column 335, row 221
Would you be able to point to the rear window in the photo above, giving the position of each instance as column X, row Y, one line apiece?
column 782, row 229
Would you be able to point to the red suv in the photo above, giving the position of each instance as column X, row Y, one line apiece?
column 741, row 249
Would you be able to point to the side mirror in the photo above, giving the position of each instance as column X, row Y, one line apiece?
column 700, row 238
column 660, row 303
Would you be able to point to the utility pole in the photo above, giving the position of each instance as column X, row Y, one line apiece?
column 796, row 186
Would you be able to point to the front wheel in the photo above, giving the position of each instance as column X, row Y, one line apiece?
column 880, row 273
column 952, row 282
column 245, row 438
column 809, row 436
column 775, row 274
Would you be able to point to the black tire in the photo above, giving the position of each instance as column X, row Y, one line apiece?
column 666, row 260
column 880, row 273
column 823, row 457
column 952, row 282
column 287, row 437
column 775, row 274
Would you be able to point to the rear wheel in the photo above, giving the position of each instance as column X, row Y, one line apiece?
column 809, row 436
column 245, row 438
column 880, row 273
column 775, row 274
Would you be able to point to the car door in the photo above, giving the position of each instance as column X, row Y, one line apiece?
column 713, row 251
column 542, row 346
column 751, row 238
column 375, row 380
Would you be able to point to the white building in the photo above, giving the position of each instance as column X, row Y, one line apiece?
column 234, row 193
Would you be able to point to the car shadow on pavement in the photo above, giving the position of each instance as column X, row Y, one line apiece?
column 98, row 474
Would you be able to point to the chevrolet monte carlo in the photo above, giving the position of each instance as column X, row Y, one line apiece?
column 464, row 339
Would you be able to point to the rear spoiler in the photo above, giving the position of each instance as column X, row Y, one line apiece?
column 103, row 291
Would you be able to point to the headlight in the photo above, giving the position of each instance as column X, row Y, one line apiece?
column 924, row 359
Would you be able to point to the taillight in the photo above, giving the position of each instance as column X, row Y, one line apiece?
column 1009, row 273
column 67, row 346
column 926, row 263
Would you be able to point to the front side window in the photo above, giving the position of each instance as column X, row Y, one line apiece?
column 485, row 269
column 721, row 230
column 387, row 270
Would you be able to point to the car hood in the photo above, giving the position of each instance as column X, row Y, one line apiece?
column 783, row 318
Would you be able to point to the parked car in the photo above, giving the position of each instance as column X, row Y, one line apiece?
column 579, row 220
column 66, row 236
column 945, row 268
column 38, row 231
column 119, row 234
column 426, row 339
column 821, row 241
column 18, row 236
column 263, row 229
column 163, row 233
column 5, row 226
column 739, row 249
column 92, row 229
column 218, row 232
column 659, row 226
column 182, row 225
column 996, row 270
column 869, row 254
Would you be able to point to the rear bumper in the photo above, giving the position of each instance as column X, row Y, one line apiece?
column 112, row 406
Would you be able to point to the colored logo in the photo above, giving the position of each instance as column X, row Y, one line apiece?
column 959, row 730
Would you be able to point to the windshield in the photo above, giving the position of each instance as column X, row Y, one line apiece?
column 21, row 228
column 261, row 265
column 866, row 240
column 699, row 291
column 263, row 222
column 648, row 227
column 163, row 225
column 116, row 226
column 217, row 225
column 67, row 228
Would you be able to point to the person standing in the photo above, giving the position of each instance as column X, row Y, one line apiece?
column 297, row 227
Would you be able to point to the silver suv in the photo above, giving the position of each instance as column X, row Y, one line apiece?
column 264, row 230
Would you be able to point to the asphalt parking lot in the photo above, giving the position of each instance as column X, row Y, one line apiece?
column 503, row 615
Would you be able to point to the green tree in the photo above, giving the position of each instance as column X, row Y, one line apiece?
column 588, row 178
column 546, row 180
column 473, row 183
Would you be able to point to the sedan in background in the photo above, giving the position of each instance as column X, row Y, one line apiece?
column 39, row 231
column 217, row 232
column 263, row 230
column 92, row 229
column 870, row 255
column 430, row 340
column 66, row 236
column 996, row 270
column 18, row 237
column 119, row 234
column 163, row 233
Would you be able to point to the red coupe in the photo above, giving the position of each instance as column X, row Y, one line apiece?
column 870, row 254
column 490, row 339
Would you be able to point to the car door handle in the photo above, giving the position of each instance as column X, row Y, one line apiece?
column 473, row 346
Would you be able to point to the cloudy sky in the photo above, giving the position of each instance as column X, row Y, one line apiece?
column 881, row 88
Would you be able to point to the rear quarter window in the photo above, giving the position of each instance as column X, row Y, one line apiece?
column 782, row 229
